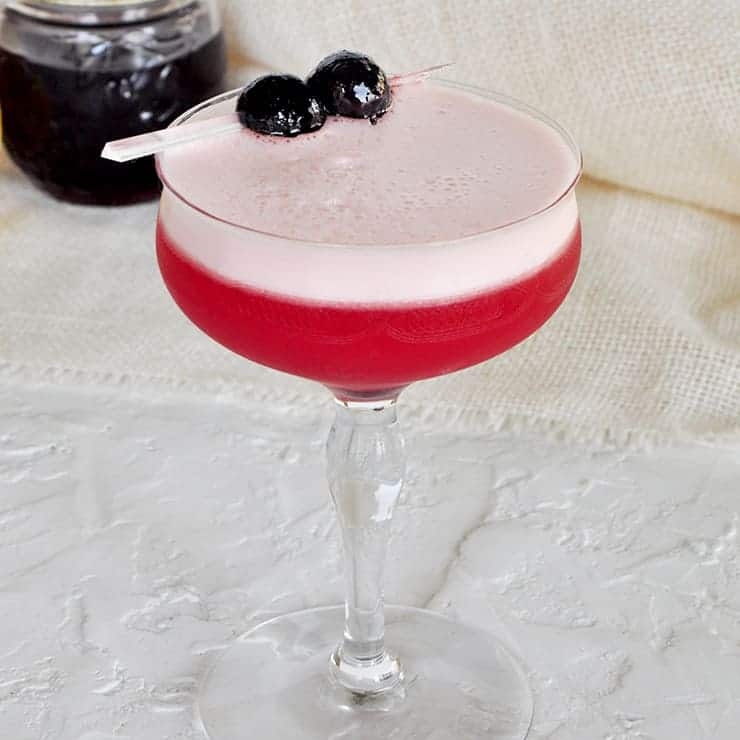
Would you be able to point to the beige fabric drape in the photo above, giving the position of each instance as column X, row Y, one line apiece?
column 647, row 345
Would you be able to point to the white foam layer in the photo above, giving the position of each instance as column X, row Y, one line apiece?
column 401, row 274
column 385, row 190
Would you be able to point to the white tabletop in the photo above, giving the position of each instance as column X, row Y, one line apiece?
column 139, row 534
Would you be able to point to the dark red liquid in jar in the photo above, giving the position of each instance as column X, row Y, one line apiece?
column 57, row 117
column 361, row 349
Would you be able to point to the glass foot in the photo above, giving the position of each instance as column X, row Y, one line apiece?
column 274, row 683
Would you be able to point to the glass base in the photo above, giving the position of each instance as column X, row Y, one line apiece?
column 274, row 683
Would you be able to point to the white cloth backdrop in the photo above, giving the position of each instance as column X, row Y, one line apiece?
column 647, row 347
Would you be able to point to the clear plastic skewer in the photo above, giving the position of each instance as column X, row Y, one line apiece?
column 143, row 145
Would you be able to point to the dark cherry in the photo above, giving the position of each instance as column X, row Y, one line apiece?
column 280, row 105
column 351, row 84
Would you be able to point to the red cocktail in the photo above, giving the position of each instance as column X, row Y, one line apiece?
column 367, row 257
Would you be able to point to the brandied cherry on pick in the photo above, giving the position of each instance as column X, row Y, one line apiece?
column 351, row 84
column 280, row 105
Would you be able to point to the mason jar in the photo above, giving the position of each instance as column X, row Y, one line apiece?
column 77, row 73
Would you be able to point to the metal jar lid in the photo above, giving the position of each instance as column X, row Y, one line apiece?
column 96, row 12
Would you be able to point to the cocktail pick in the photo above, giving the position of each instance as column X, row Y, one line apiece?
column 134, row 147
column 412, row 77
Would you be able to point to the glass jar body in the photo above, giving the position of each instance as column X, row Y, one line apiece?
column 74, row 77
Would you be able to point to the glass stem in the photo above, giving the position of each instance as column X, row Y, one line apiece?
column 365, row 469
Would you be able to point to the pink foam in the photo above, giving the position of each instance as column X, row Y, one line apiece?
column 442, row 166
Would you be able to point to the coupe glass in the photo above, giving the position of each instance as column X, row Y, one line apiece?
column 361, row 670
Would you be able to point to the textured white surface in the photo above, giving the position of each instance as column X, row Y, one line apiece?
column 139, row 534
